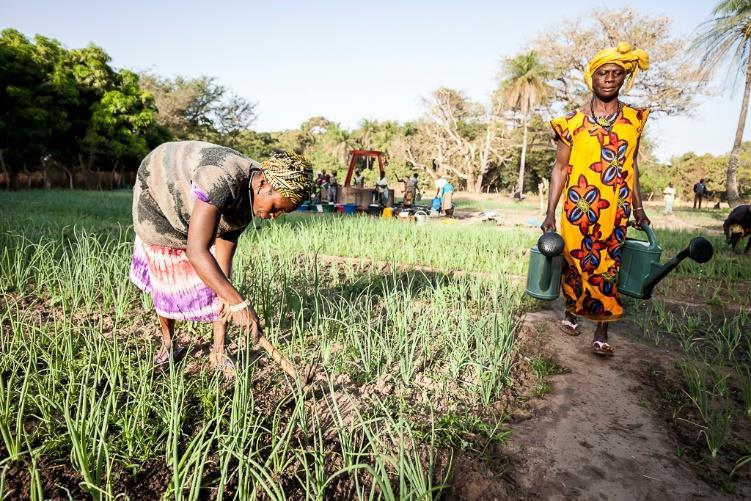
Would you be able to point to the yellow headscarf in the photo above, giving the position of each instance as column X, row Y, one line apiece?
column 290, row 174
column 624, row 56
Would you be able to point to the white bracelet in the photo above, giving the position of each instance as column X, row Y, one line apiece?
column 239, row 307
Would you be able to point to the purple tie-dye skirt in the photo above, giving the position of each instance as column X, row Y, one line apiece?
column 175, row 287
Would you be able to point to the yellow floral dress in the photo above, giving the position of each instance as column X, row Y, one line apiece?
column 596, row 208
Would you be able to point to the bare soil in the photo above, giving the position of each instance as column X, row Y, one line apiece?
column 605, row 431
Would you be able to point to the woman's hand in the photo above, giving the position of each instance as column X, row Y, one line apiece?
column 640, row 218
column 246, row 318
column 548, row 224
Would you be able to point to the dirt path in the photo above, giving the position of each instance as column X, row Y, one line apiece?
column 595, row 436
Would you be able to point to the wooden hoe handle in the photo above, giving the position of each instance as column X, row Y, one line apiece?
column 277, row 356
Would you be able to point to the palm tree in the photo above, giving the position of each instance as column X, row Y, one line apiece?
column 525, row 87
column 727, row 36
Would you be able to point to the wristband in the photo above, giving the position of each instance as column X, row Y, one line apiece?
column 238, row 307
column 639, row 208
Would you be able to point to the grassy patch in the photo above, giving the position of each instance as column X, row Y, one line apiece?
column 542, row 368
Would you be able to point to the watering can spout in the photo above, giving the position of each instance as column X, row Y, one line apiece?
column 699, row 250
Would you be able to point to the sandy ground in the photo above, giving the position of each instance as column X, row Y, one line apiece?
column 595, row 436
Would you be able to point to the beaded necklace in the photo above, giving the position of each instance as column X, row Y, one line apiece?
column 605, row 122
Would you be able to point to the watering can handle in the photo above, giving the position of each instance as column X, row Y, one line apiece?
column 421, row 212
column 650, row 235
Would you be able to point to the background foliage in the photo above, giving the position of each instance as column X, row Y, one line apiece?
column 68, row 118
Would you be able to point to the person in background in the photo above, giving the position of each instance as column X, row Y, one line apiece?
column 191, row 202
column 333, row 188
column 738, row 226
column 382, row 188
column 700, row 190
column 416, row 183
column 409, row 191
column 597, row 173
column 359, row 179
column 324, row 187
column 445, row 191
column 315, row 193
column 669, row 195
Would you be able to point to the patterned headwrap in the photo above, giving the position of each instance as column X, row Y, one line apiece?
column 290, row 174
column 624, row 56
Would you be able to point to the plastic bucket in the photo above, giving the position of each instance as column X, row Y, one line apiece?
column 329, row 208
column 350, row 208
column 387, row 213
column 339, row 208
column 436, row 204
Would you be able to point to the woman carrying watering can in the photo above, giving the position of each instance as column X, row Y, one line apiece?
column 191, row 202
column 596, row 171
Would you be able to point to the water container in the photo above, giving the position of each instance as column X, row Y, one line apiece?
column 436, row 206
column 421, row 217
column 638, row 260
column 545, row 264
column 350, row 208
column 387, row 213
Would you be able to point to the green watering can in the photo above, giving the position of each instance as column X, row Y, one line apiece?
column 640, row 264
column 545, row 264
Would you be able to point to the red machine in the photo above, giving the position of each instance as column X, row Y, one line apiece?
column 369, row 156
column 364, row 198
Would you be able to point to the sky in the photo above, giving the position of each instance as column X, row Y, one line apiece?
column 351, row 60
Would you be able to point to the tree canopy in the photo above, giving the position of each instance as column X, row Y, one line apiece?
column 71, row 108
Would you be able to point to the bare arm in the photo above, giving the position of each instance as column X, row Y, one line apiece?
column 557, row 180
column 225, row 250
column 215, row 272
column 203, row 225
column 640, row 218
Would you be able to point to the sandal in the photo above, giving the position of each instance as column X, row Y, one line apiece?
column 569, row 328
column 602, row 348
column 172, row 351
column 222, row 362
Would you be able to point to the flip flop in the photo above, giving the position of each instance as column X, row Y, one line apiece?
column 569, row 328
column 175, row 353
column 602, row 348
column 222, row 362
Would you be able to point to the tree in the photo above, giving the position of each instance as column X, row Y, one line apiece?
column 200, row 109
column 669, row 86
column 525, row 87
column 122, row 122
column 232, row 116
column 727, row 38
column 325, row 143
column 37, row 98
column 173, row 98
column 459, row 137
